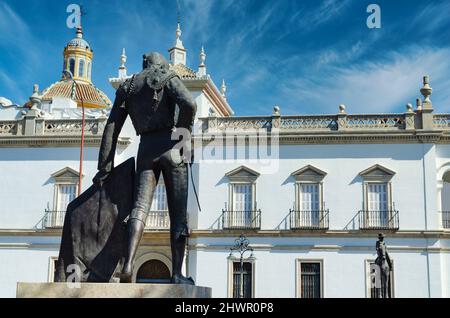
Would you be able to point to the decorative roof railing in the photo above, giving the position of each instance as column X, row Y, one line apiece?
column 50, row 127
column 441, row 121
column 71, row 126
column 36, row 126
column 8, row 127
column 323, row 123
column 378, row 121
column 32, row 130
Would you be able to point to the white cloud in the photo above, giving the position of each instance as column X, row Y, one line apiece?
column 10, row 86
column 325, row 12
column 432, row 17
column 15, row 39
column 373, row 87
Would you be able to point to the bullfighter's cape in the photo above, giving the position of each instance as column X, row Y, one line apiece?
column 94, row 233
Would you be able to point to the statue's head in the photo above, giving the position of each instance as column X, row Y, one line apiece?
column 381, row 237
column 154, row 58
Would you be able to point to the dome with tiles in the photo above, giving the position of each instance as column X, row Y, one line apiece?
column 76, row 83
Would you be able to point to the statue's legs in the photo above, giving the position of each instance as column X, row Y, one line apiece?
column 385, row 282
column 156, row 155
column 146, row 181
column 176, row 181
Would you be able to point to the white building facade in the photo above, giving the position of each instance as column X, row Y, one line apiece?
column 310, row 193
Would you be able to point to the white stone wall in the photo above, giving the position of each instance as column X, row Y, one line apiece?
column 27, row 184
column 416, row 274
column 343, row 190
column 24, row 263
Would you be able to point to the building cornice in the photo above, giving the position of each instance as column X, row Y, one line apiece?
column 438, row 234
column 56, row 141
column 341, row 137
column 340, row 128
column 322, row 247
column 195, row 234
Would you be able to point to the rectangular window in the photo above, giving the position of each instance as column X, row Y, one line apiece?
column 309, row 197
column 242, row 214
column 377, row 195
column 310, row 279
column 378, row 206
column 246, row 276
column 158, row 217
column 308, row 205
column 159, row 202
column 242, row 197
column 65, row 194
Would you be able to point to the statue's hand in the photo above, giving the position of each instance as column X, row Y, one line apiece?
column 100, row 177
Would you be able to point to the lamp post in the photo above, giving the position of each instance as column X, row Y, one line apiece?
column 69, row 76
column 241, row 246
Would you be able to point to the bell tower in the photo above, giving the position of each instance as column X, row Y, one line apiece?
column 177, row 53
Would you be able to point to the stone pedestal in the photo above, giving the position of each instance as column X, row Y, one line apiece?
column 103, row 290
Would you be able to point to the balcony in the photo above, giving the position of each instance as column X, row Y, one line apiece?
column 53, row 219
column 309, row 220
column 378, row 220
column 241, row 220
column 445, row 219
column 156, row 220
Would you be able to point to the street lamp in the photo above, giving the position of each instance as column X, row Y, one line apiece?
column 241, row 246
column 69, row 76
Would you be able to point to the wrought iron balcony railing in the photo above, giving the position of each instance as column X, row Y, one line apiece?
column 157, row 220
column 309, row 220
column 53, row 219
column 378, row 220
column 445, row 219
column 241, row 220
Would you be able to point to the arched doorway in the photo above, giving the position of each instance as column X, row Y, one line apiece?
column 445, row 200
column 153, row 272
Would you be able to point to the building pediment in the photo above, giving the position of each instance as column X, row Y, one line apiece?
column 377, row 172
column 309, row 173
column 242, row 174
column 66, row 174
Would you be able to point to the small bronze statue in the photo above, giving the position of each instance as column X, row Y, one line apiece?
column 150, row 99
column 384, row 262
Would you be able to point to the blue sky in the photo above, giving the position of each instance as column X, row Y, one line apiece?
column 305, row 56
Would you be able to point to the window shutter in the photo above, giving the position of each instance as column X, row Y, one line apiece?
column 66, row 193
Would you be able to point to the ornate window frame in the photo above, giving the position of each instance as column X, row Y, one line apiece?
column 377, row 174
column 65, row 176
column 308, row 175
column 240, row 176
